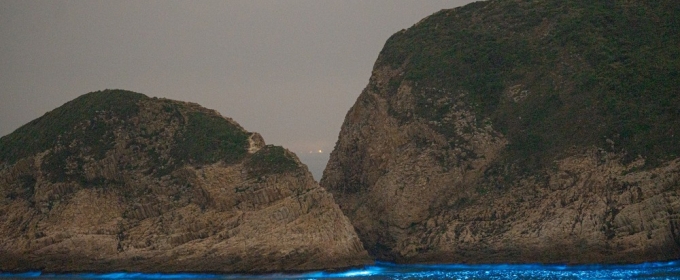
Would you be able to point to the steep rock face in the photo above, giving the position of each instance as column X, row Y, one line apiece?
column 114, row 180
column 519, row 131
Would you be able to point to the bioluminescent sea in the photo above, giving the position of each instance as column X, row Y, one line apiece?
column 382, row 270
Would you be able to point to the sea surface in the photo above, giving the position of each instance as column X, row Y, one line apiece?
column 382, row 270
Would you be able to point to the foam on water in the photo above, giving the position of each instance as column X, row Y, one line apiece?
column 383, row 270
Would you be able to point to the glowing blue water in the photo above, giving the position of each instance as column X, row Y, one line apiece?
column 382, row 270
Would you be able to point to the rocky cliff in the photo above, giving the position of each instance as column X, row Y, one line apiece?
column 519, row 131
column 114, row 180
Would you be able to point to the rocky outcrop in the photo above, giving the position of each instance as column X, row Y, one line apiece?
column 519, row 131
column 117, row 181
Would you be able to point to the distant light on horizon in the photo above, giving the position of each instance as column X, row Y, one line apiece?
column 256, row 62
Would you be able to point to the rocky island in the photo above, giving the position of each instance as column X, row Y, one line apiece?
column 519, row 131
column 502, row 131
column 117, row 181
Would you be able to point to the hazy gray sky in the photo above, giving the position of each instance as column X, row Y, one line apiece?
column 289, row 70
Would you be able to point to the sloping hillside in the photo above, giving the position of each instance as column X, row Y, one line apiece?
column 519, row 131
column 114, row 180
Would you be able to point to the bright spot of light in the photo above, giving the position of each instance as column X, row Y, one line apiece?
column 320, row 151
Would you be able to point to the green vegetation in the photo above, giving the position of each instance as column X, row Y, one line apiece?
column 163, row 135
column 592, row 71
column 87, row 120
column 84, row 128
column 44, row 132
column 208, row 139
column 270, row 160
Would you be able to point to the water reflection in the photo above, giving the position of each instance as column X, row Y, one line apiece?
column 382, row 270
